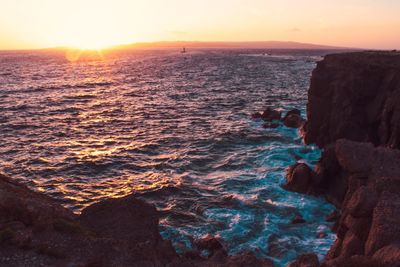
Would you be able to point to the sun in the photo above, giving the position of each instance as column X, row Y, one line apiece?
column 89, row 40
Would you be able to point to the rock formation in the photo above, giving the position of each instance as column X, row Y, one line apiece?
column 355, row 96
column 354, row 115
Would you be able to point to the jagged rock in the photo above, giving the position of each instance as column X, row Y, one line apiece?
column 305, row 260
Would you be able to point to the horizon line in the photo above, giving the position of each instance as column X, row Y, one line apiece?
column 270, row 44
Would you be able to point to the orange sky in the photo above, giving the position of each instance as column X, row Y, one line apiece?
column 100, row 23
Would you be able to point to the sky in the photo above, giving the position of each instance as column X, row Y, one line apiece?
column 26, row 24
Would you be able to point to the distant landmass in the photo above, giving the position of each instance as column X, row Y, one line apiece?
column 191, row 44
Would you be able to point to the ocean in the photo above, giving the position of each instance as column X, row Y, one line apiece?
column 174, row 129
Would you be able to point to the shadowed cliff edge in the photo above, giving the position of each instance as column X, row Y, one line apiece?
column 353, row 113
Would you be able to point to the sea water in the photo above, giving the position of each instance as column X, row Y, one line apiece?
column 175, row 129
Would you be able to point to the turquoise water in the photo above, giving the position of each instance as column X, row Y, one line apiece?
column 175, row 130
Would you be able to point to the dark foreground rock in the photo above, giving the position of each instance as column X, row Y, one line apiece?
column 305, row 260
column 35, row 230
column 353, row 114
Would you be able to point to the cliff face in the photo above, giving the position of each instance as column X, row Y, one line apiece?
column 355, row 96
column 354, row 115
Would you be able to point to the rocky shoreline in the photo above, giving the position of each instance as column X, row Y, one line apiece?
column 351, row 114
column 35, row 230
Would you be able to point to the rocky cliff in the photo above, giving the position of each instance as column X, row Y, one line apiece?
column 354, row 115
column 355, row 96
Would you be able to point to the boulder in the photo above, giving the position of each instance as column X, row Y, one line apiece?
column 271, row 115
column 299, row 178
column 293, row 121
column 113, row 218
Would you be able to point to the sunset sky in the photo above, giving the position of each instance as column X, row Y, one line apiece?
column 100, row 23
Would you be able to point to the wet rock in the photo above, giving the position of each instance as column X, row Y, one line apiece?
column 298, row 220
column 299, row 178
column 305, row 260
column 293, row 121
column 271, row 115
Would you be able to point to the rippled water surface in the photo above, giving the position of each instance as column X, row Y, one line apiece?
column 174, row 128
